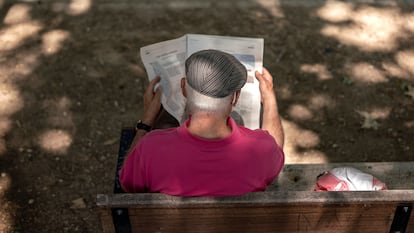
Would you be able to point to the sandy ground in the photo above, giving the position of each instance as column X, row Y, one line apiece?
column 71, row 78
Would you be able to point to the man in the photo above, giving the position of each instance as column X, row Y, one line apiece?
column 208, row 155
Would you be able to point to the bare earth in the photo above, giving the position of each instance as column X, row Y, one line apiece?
column 71, row 78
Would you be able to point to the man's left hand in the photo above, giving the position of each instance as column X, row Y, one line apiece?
column 152, row 102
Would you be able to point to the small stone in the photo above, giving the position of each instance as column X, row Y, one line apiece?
column 31, row 201
column 3, row 174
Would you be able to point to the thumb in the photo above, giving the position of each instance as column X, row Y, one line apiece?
column 259, row 76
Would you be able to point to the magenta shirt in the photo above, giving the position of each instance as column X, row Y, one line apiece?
column 174, row 162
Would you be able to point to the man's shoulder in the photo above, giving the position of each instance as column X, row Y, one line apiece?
column 158, row 136
column 161, row 132
column 257, row 136
column 253, row 132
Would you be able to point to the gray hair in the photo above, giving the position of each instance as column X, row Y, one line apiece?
column 199, row 103
column 213, row 77
column 215, row 73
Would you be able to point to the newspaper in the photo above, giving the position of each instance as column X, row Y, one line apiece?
column 167, row 60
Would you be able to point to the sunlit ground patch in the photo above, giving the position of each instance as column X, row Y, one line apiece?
column 300, row 112
column 409, row 124
column 13, row 36
column 365, row 73
column 10, row 100
column 300, row 145
column 335, row 11
column 393, row 70
column 18, row 13
column 273, row 7
column 409, row 22
column 52, row 41
column 368, row 28
column 319, row 70
column 55, row 141
column 319, row 101
column 406, row 60
column 78, row 7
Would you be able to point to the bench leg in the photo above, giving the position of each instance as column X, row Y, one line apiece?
column 401, row 218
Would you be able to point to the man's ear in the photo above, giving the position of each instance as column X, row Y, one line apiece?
column 183, row 90
column 235, row 98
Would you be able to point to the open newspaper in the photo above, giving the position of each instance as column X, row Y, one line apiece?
column 166, row 59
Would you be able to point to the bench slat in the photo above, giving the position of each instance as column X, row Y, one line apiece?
column 302, row 177
column 148, row 200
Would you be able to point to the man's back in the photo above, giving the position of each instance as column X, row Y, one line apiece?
column 177, row 163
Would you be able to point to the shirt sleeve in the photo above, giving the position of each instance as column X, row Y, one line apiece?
column 132, row 174
column 276, row 162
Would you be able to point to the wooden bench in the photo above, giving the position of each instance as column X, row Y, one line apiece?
column 288, row 205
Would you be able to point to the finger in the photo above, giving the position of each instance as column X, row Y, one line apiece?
column 266, row 74
column 158, row 93
column 259, row 76
column 151, row 85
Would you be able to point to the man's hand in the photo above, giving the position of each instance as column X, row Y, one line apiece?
column 266, row 86
column 152, row 106
column 271, row 119
column 152, row 102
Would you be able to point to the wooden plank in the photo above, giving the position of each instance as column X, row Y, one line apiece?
column 302, row 177
column 157, row 200
column 285, row 218
column 410, row 227
column 105, row 215
column 264, row 212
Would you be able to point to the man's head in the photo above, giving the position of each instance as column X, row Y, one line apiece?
column 213, row 81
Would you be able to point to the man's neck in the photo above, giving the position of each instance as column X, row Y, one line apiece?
column 209, row 127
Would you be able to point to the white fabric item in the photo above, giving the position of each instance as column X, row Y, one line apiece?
column 348, row 179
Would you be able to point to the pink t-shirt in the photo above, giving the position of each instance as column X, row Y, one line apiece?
column 173, row 161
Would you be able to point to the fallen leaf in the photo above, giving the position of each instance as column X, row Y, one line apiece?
column 369, row 121
column 78, row 204
column 410, row 92
column 110, row 141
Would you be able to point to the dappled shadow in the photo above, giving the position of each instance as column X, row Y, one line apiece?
column 71, row 78
column 346, row 82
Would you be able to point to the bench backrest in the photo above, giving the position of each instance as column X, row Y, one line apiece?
column 290, row 211
column 288, row 205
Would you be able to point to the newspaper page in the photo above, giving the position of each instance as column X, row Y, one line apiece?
column 167, row 60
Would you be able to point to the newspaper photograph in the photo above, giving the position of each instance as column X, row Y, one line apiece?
column 167, row 60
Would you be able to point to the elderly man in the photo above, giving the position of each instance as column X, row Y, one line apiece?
column 209, row 154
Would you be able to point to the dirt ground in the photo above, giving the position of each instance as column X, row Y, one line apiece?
column 71, row 78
